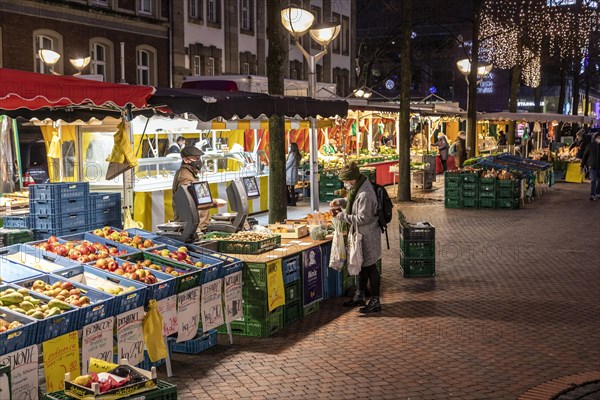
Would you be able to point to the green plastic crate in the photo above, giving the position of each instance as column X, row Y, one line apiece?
column 452, row 193
column 507, row 184
column 417, row 249
column 469, row 202
column 255, row 274
column 413, row 268
column 487, row 194
column 253, row 294
column 293, row 291
column 292, row 311
column 452, row 184
column 508, row 203
column 164, row 391
column 452, row 202
column 504, row 193
column 469, row 178
column 257, row 311
column 311, row 309
column 251, row 327
column 487, row 181
column 9, row 237
column 487, row 203
column 258, row 247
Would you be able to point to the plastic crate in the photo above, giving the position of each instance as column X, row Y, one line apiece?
column 311, row 309
column 508, row 203
column 165, row 287
column 211, row 266
column 469, row 202
column 258, row 311
column 35, row 258
column 86, row 236
column 503, row 193
column 487, row 181
column 487, row 203
column 412, row 268
column 63, row 206
column 293, row 291
column 147, row 364
column 131, row 232
column 57, row 325
column 58, row 191
column 232, row 267
column 15, row 236
column 291, row 267
column 487, row 193
column 452, row 184
column 12, row 272
column 163, row 391
column 60, row 221
column 452, row 203
column 250, row 327
column 417, row 249
column 102, row 304
column 507, row 184
column 16, row 221
column 292, row 312
column 424, row 231
column 40, row 234
column 125, row 301
column 455, row 177
column 239, row 247
column 199, row 343
column 20, row 337
column 253, row 294
column 104, row 217
column 452, row 193
column 255, row 274
column 469, row 194
column 100, row 201
column 469, row 178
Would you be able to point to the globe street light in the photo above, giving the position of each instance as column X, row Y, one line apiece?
column 50, row 58
column 80, row 63
column 298, row 21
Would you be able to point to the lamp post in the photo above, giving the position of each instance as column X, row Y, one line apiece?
column 298, row 21
column 80, row 63
column 464, row 66
column 50, row 58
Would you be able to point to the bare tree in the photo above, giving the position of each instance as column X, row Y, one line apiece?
column 405, row 84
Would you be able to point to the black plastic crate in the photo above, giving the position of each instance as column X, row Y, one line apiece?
column 414, row 232
column 16, row 221
column 417, row 249
column 104, row 217
column 292, row 311
column 413, row 268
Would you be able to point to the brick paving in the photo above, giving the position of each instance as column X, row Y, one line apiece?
column 515, row 304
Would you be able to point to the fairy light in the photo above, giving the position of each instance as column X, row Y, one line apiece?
column 531, row 73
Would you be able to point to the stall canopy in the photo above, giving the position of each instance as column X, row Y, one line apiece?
column 535, row 117
column 209, row 104
column 22, row 92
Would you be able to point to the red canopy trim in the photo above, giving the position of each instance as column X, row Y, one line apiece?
column 21, row 89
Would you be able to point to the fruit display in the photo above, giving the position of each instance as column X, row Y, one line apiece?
column 121, row 381
column 180, row 255
column 290, row 231
column 82, row 251
column 7, row 326
column 167, row 269
column 249, row 236
column 63, row 291
column 135, row 241
column 135, row 272
column 22, row 302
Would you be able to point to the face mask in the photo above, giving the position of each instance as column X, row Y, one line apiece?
column 196, row 164
column 348, row 185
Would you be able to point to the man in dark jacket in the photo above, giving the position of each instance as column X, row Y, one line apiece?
column 191, row 165
column 461, row 149
column 591, row 160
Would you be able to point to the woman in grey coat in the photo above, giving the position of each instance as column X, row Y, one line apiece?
column 291, row 173
column 360, row 209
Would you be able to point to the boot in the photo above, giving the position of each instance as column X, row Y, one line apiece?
column 373, row 306
column 357, row 300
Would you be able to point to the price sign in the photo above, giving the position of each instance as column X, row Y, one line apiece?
column 97, row 342
column 24, row 372
column 168, row 309
column 61, row 355
column 212, row 305
column 188, row 310
column 130, row 336
column 233, row 296
column 312, row 275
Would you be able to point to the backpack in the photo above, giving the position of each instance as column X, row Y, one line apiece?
column 385, row 208
column 452, row 150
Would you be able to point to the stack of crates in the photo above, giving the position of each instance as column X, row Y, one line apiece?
column 417, row 250
column 105, row 210
column 453, row 190
column 329, row 182
column 508, row 194
column 469, row 190
column 58, row 209
column 8, row 237
column 487, row 193
column 292, row 268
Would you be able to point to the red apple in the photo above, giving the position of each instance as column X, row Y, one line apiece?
column 119, row 271
column 52, row 239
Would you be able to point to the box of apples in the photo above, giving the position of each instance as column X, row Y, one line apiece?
column 34, row 257
column 95, row 305
column 160, row 285
column 208, row 265
column 82, row 248
column 138, row 241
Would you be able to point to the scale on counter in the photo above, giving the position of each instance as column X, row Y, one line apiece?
column 238, row 193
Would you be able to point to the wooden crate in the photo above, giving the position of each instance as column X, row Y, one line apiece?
column 292, row 231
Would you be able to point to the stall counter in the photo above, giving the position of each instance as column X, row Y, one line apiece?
column 289, row 247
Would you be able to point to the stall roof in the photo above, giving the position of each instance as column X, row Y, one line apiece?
column 535, row 117
column 209, row 104
column 32, row 91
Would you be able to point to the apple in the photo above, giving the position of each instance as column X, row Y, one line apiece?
column 119, row 271
column 165, row 252
column 137, row 239
column 147, row 244
column 115, row 236
column 52, row 239
column 112, row 265
column 98, row 232
column 182, row 249
column 101, row 263
column 181, row 256
column 61, row 250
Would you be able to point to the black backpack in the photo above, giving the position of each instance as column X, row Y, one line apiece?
column 385, row 208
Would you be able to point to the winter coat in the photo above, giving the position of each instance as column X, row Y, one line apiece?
column 185, row 175
column 291, row 169
column 590, row 156
column 442, row 145
column 461, row 151
column 364, row 214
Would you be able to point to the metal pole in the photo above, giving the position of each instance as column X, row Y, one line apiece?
column 314, row 163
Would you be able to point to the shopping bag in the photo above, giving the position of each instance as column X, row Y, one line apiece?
column 355, row 255
column 337, row 258
column 153, row 333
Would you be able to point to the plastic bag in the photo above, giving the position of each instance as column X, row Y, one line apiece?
column 153, row 333
column 337, row 258
column 355, row 255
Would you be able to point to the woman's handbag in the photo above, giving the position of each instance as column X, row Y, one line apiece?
column 355, row 255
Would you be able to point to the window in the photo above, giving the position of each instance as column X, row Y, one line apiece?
column 197, row 64
column 51, row 40
column 194, row 9
column 210, row 66
column 245, row 69
column 345, row 35
column 316, row 11
column 98, row 59
column 101, row 53
column 212, row 12
column 245, row 8
column 336, row 41
column 146, row 6
column 146, row 65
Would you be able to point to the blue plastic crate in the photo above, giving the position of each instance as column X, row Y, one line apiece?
column 333, row 283
column 100, row 201
column 165, row 286
column 231, row 268
column 131, row 233
column 16, row 221
column 60, row 221
column 53, row 207
column 126, row 301
column 35, row 258
column 57, row 325
column 40, row 234
column 80, row 237
column 58, row 191
column 199, row 343
column 102, row 304
column 18, row 338
column 11, row 272
column 291, row 269
column 104, row 217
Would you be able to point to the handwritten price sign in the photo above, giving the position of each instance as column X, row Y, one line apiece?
column 188, row 310
column 130, row 335
column 61, row 355
column 97, row 342
column 233, row 296
column 168, row 309
column 212, row 305
column 24, row 373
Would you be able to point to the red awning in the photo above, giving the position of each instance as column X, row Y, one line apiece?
column 21, row 89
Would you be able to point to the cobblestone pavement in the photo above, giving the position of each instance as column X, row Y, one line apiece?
column 515, row 303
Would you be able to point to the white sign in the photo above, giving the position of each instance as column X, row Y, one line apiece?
column 168, row 309
column 233, row 297
column 212, row 305
column 24, row 372
column 130, row 335
column 97, row 342
column 188, row 310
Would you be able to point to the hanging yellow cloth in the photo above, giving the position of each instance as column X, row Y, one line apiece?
column 121, row 158
column 54, row 147
column 153, row 333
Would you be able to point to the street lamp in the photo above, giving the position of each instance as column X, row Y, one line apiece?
column 80, row 63
column 50, row 58
column 464, row 66
column 298, row 21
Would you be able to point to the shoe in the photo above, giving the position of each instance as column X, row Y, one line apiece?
column 373, row 306
column 354, row 302
column 592, row 198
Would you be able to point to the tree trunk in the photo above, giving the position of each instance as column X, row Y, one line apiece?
column 275, row 75
column 472, row 89
column 576, row 85
column 538, row 99
column 512, row 101
column 586, row 107
column 404, row 124
column 562, row 94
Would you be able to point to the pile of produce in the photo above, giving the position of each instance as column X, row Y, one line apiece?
column 505, row 176
column 180, row 255
column 22, row 302
column 7, row 326
column 81, row 251
column 119, row 377
column 320, row 232
column 135, row 272
column 123, row 237
column 158, row 267
column 249, row 236
column 63, row 291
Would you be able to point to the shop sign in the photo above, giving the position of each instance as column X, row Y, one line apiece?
column 312, row 275
column 188, row 308
column 61, row 355
column 212, row 305
column 130, row 336
column 24, row 372
column 275, row 288
column 168, row 309
column 97, row 342
column 233, row 297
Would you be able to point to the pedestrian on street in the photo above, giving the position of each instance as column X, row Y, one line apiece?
column 359, row 208
column 501, row 138
column 591, row 161
column 443, row 147
column 291, row 173
column 461, row 149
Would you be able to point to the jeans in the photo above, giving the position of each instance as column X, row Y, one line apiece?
column 595, row 181
column 369, row 274
column 291, row 195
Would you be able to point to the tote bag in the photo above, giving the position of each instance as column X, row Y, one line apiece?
column 355, row 255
